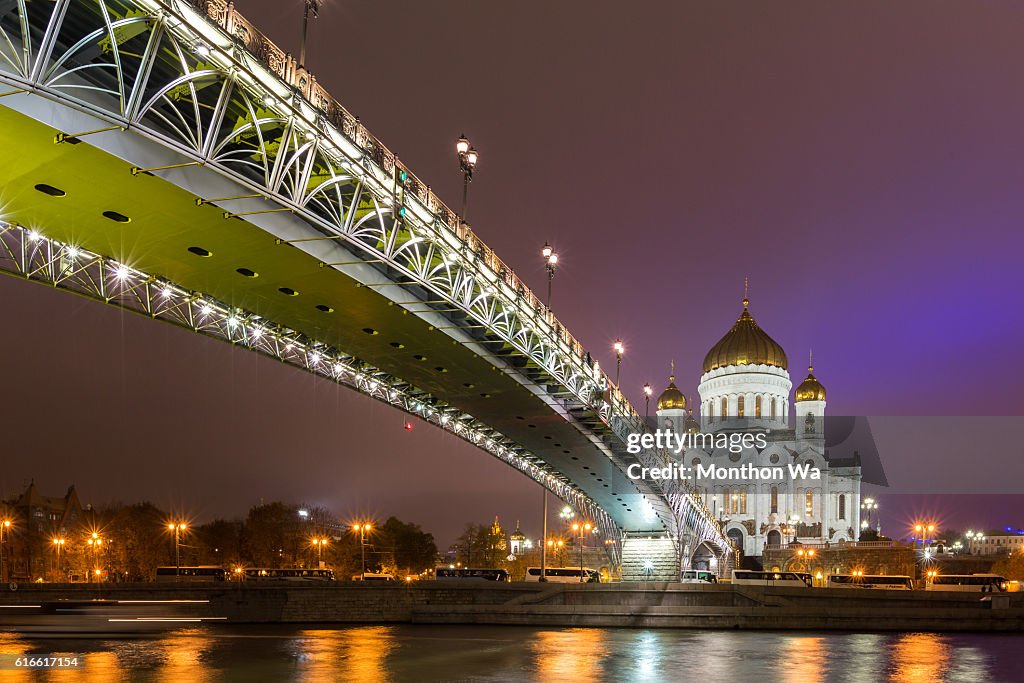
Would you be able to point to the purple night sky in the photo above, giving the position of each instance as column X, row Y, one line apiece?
column 862, row 163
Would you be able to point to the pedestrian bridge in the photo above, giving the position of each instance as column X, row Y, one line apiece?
column 164, row 156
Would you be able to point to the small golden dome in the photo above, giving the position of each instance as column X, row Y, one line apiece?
column 745, row 344
column 810, row 389
column 671, row 398
column 692, row 426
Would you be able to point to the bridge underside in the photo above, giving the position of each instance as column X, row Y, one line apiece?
column 409, row 307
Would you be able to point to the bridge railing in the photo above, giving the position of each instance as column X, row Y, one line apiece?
column 287, row 68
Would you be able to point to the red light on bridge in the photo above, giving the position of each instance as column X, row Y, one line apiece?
column 408, row 426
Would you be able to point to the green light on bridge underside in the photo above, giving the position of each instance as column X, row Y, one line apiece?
column 403, row 176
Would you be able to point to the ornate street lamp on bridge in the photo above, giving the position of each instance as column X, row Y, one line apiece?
column 467, row 162
column 619, row 350
column 550, row 264
column 312, row 8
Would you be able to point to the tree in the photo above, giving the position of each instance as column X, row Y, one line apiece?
column 134, row 542
column 1011, row 566
column 272, row 535
column 413, row 550
column 220, row 542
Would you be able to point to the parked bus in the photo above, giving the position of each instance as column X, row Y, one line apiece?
column 564, row 575
column 374, row 576
column 878, row 581
column 289, row 574
column 446, row 573
column 968, row 583
column 191, row 574
column 745, row 577
column 698, row 576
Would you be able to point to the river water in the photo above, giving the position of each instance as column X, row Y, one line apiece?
column 496, row 653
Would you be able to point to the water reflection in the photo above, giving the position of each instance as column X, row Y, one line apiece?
column 569, row 654
column 442, row 653
column 919, row 657
column 354, row 654
column 805, row 658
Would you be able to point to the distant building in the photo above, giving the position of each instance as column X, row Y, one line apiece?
column 996, row 543
column 517, row 542
column 38, row 519
column 745, row 388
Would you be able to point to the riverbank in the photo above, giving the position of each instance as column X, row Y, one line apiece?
column 637, row 605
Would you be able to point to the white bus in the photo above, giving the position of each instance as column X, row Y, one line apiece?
column 191, row 574
column 968, row 583
column 698, row 576
column 745, row 577
column 288, row 574
column 564, row 575
column 374, row 576
column 877, row 581
column 446, row 573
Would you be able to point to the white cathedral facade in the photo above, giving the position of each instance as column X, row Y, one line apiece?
column 746, row 386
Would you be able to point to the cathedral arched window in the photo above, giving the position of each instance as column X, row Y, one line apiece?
column 773, row 407
column 775, row 499
column 711, row 411
column 726, row 501
column 757, row 406
column 809, row 502
column 739, row 406
column 743, row 502
column 725, row 407
column 842, row 506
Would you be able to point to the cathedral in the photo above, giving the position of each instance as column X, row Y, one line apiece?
column 746, row 387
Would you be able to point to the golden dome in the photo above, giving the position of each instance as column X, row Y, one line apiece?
column 810, row 389
column 672, row 398
column 745, row 344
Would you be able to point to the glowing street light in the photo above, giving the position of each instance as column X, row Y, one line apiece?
column 619, row 349
column 582, row 529
column 5, row 529
column 95, row 542
column 177, row 528
column 550, row 265
column 319, row 544
column 363, row 529
column 58, row 546
column 468, row 158
column 647, row 400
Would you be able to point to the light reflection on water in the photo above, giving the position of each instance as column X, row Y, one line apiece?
column 493, row 653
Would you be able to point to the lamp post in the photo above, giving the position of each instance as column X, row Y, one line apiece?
column 582, row 529
column 319, row 544
column 550, row 264
column 870, row 505
column 467, row 162
column 556, row 547
column 312, row 8
column 5, row 530
column 58, row 545
column 177, row 528
column 647, row 400
column 363, row 529
column 94, row 542
column 619, row 348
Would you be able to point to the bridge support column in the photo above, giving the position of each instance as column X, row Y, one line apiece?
column 649, row 558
